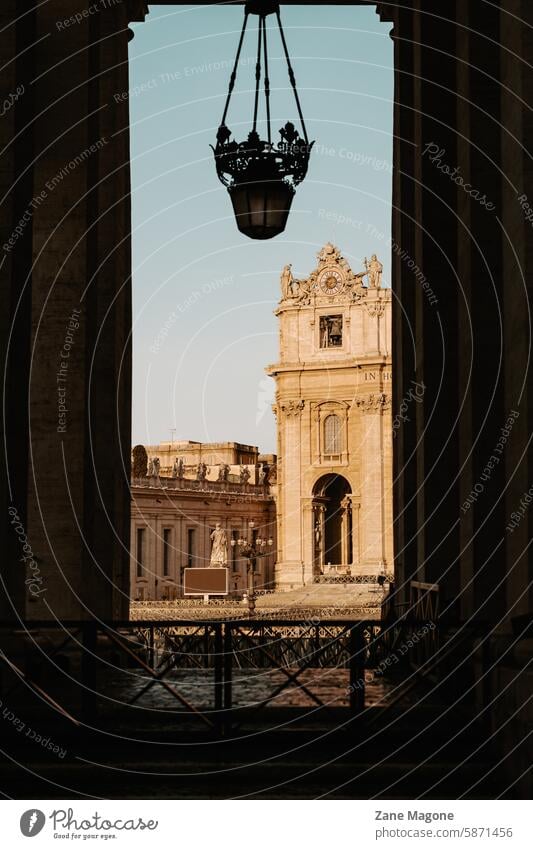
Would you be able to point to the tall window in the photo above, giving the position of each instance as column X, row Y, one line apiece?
column 190, row 546
column 167, row 532
column 140, row 551
column 332, row 435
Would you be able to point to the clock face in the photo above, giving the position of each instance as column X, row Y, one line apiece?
column 331, row 282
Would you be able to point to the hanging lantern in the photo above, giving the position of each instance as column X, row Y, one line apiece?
column 261, row 177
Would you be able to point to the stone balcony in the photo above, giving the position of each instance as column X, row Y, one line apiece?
column 259, row 492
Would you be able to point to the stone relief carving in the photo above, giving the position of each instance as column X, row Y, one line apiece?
column 333, row 279
column 375, row 308
column 374, row 403
column 292, row 408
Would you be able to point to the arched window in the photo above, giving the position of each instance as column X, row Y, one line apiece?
column 332, row 435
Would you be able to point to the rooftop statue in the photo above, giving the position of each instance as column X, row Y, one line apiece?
column 374, row 269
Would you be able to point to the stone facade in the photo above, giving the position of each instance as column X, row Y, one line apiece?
column 172, row 519
column 234, row 454
column 333, row 407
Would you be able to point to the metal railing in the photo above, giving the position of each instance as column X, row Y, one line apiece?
column 158, row 648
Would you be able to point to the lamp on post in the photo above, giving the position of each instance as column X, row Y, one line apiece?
column 251, row 549
column 261, row 176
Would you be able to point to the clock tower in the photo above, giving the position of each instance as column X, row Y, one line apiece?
column 333, row 409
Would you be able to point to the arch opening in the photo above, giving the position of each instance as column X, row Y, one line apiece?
column 332, row 522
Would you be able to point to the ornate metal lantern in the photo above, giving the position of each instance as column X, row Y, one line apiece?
column 261, row 177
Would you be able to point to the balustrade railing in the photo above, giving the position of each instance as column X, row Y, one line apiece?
column 232, row 488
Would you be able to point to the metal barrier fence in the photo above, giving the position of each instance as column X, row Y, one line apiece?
column 158, row 648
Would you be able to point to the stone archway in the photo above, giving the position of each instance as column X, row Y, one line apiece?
column 332, row 522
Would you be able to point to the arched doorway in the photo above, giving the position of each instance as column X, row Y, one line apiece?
column 332, row 522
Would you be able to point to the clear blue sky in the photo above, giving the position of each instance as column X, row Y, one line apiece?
column 204, row 294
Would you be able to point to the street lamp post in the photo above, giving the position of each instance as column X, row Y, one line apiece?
column 251, row 549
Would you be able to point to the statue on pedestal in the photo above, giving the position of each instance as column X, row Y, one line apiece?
column 286, row 282
column 244, row 475
column 223, row 472
column 374, row 269
column 178, row 468
column 219, row 549
column 150, row 471
column 201, row 471
column 263, row 474
column 156, row 467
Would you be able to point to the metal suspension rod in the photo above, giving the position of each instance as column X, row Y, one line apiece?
column 233, row 76
column 291, row 76
column 257, row 72
column 267, row 83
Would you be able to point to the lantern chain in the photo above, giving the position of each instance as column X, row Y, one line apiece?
column 267, row 83
column 233, row 76
column 291, row 76
column 257, row 72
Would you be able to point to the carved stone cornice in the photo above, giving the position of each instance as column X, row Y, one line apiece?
column 374, row 403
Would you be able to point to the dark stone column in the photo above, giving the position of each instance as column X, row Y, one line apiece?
column 516, row 35
column 437, row 288
column 403, row 306
column 483, row 352
column 70, row 472
column 16, row 234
